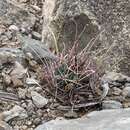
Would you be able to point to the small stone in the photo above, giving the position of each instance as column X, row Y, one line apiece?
column 13, row 27
column 16, row 111
column 116, row 91
column 16, row 82
column 19, row 71
column 6, row 79
column 126, row 104
column 111, row 104
column 4, row 126
column 31, row 81
column 6, row 57
column 38, row 100
column 22, row 93
column 29, row 123
column 23, row 30
column 39, row 113
column 9, row 89
column 29, row 56
column 30, row 106
column 1, row 87
column 127, row 85
column 30, row 129
column 113, row 76
column 41, row 50
column 17, row 74
column 36, row 35
column 71, row 114
column 24, row 127
column 23, row 1
column 54, row 105
column 33, row 64
column 36, row 8
column 33, row 126
column 24, row 105
column 126, row 92
column 37, row 121
column 38, row 89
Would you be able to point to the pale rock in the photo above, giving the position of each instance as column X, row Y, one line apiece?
column 38, row 100
column 126, row 92
column 22, row 93
column 127, row 85
column 16, row 111
column 16, row 14
column 64, row 21
column 31, row 81
column 117, row 119
column 71, row 114
column 114, row 77
column 13, row 27
column 5, row 126
column 111, row 104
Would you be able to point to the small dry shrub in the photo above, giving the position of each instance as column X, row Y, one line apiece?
column 74, row 78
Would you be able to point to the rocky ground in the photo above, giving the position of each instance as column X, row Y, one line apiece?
column 25, row 101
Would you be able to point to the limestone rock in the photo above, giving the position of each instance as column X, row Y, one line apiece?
column 71, row 114
column 10, row 55
column 4, row 126
column 22, row 93
column 111, row 104
column 108, row 21
column 38, row 50
column 98, row 120
column 38, row 100
column 112, row 77
column 126, row 92
column 18, row 74
column 3, row 7
column 16, row 111
column 127, row 85
column 68, row 21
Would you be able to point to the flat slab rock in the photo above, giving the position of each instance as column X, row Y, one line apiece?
column 118, row 119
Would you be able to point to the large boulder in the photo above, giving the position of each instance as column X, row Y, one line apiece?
column 108, row 22
column 118, row 119
column 67, row 21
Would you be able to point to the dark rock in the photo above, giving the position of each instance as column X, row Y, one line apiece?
column 38, row 50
